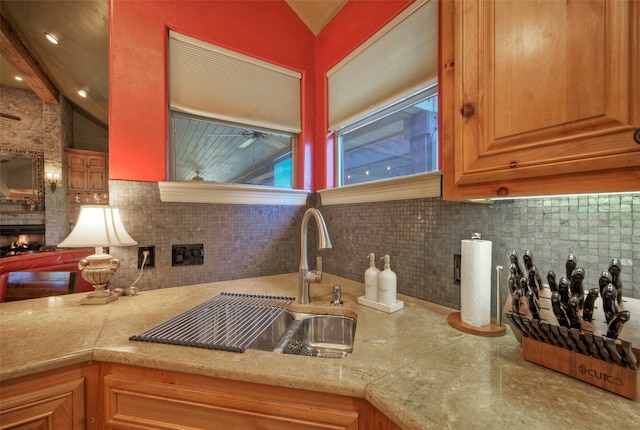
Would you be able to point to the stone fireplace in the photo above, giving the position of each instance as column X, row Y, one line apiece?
column 21, row 239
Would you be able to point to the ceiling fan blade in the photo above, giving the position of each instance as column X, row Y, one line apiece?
column 247, row 142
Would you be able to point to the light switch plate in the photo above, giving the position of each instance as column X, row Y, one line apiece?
column 187, row 255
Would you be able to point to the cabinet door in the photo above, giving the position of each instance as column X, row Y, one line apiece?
column 96, row 180
column 55, row 401
column 97, row 162
column 77, row 179
column 172, row 400
column 76, row 161
column 540, row 97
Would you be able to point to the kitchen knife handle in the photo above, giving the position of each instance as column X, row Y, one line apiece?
column 589, row 303
column 616, row 324
column 551, row 278
column 609, row 302
column 533, row 305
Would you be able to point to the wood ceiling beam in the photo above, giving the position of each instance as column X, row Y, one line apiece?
column 21, row 59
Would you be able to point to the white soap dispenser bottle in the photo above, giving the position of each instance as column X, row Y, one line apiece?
column 371, row 279
column 387, row 284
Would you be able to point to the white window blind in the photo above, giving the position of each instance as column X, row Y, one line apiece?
column 211, row 81
column 397, row 61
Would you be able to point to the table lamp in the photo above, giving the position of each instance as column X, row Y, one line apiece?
column 98, row 226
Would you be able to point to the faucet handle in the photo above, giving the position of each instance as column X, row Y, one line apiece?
column 336, row 295
column 319, row 264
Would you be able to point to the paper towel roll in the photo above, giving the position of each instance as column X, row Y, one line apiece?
column 475, row 282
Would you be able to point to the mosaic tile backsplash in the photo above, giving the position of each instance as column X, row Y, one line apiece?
column 421, row 236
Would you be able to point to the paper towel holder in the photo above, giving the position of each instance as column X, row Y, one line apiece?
column 495, row 327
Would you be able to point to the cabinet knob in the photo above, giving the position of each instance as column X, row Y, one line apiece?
column 636, row 136
column 467, row 110
column 502, row 192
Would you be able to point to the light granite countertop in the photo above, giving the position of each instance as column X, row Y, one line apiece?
column 411, row 365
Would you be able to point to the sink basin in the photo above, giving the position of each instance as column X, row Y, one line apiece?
column 268, row 339
column 328, row 336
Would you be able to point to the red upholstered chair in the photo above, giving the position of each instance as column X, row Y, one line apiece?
column 31, row 285
column 54, row 261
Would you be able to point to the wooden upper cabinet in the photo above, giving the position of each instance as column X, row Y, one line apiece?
column 87, row 171
column 539, row 97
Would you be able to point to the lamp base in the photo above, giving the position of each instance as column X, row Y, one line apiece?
column 98, row 269
column 98, row 300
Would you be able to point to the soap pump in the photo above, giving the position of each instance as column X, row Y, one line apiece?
column 387, row 284
column 371, row 279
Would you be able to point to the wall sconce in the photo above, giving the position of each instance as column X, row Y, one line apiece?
column 53, row 181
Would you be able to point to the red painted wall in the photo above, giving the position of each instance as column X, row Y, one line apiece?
column 268, row 29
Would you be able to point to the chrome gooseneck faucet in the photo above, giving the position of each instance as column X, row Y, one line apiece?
column 305, row 275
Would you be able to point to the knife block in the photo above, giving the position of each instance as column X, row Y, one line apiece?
column 592, row 370
column 609, row 376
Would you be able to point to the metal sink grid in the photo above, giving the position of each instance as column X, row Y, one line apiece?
column 228, row 321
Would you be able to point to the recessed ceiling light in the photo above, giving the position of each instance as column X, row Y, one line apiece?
column 51, row 38
column 18, row 78
column 82, row 93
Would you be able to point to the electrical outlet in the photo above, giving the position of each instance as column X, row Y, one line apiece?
column 151, row 259
column 187, row 255
column 457, row 268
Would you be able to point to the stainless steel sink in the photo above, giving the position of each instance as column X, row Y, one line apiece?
column 235, row 322
column 329, row 336
column 270, row 337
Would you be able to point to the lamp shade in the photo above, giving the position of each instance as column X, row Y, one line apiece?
column 97, row 226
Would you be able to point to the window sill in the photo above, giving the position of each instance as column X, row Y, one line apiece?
column 212, row 192
column 418, row 186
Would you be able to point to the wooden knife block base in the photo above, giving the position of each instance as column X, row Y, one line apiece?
column 609, row 376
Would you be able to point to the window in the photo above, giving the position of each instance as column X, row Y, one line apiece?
column 385, row 113
column 398, row 141
column 211, row 150
column 233, row 118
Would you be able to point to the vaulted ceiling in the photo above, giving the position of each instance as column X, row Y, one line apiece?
column 80, row 60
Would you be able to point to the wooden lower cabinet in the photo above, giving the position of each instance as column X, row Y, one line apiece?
column 97, row 395
column 137, row 398
column 62, row 399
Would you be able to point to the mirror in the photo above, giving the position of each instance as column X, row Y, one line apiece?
column 21, row 176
